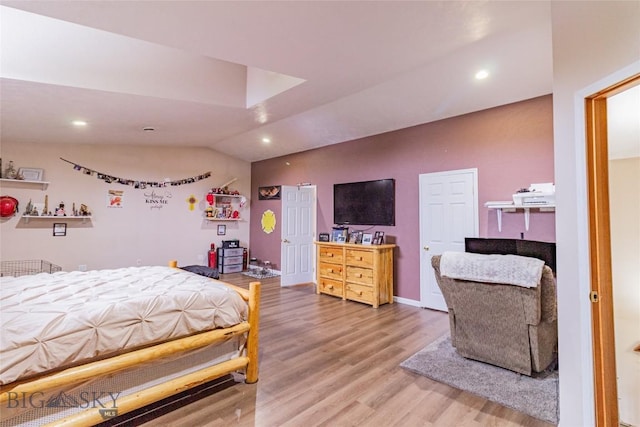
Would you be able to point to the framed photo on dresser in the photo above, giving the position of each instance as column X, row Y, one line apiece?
column 378, row 238
column 355, row 237
column 339, row 235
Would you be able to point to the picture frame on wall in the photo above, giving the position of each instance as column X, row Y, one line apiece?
column 222, row 229
column 59, row 229
column 271, row 192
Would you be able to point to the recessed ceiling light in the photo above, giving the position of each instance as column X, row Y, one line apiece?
column 266, row 140
column 482, row 74
column 79, row 123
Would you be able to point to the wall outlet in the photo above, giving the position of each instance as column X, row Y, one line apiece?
column 138, row 262
column 82, row 267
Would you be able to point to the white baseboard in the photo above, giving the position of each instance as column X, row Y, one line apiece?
column 407, row 301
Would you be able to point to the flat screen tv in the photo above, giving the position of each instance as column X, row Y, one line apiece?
column 365, row 203
column 545, row 251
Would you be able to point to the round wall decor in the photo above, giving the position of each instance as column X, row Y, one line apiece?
column 268, row 221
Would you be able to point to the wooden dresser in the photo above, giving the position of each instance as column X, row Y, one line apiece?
column 361, row 273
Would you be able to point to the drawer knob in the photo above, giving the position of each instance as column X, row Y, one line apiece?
column 330, row 270
column 359, row 258
column 358, row 275
column 330, row 255
column 360, row 293
column 330, row 287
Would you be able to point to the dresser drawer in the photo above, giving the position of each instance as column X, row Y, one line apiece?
column 360, row 258
column 330, row 254
column 360, row 275
column 225, row 252
column 224, row 269
column 331, row 270
column 331, row 287
column 229, row 260
column 360, row 293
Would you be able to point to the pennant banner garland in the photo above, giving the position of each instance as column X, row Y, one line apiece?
column 134, row 182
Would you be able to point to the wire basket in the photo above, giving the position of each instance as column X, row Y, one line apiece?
column 25, row 267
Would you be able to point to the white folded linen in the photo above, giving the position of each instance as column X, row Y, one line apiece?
column 504, row 269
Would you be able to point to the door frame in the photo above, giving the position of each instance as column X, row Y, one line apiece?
column 601, row 286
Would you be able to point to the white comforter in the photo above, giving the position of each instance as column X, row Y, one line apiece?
column 55, row 320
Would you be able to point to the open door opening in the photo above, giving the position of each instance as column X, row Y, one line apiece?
column 605, row 377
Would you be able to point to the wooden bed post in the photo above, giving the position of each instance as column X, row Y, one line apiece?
column 251, row 375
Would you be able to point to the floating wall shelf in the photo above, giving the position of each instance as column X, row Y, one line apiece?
column 84, row 219
column 511, row 207
column 26, row 182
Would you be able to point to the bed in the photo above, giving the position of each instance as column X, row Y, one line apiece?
column 79, row 348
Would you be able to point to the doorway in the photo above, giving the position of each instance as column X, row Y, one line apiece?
column 602, row 293
column 448, row 214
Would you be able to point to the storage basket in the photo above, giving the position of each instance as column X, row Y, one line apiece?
column 25, row 267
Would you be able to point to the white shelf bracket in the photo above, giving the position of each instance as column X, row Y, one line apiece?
column 510, row 207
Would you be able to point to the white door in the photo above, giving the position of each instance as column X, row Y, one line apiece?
column 298, row 232
column 448, row 214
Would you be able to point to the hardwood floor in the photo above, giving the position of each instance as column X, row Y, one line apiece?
column 328, row 362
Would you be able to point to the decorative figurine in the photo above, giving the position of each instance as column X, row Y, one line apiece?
column 45, row 209
column 10, row 172
column 84, row 210
column 60, row 210
column 29, row 208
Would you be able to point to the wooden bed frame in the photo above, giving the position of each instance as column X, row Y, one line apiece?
column 247, row 361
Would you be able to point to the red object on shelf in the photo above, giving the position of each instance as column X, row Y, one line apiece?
column 8, row 206
column 211, row 199
column 213, row 261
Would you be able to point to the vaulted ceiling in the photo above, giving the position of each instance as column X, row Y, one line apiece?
column 226, row 75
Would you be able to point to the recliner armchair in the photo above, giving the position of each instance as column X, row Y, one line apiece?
column 513, row 327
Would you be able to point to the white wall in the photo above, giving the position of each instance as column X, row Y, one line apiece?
column 624, row 193
column 138, row 231
column 595, row 44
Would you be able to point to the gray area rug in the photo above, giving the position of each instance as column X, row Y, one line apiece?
column 534, row 396
column 259, row 274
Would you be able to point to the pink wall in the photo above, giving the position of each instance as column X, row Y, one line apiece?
column 511, row 146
